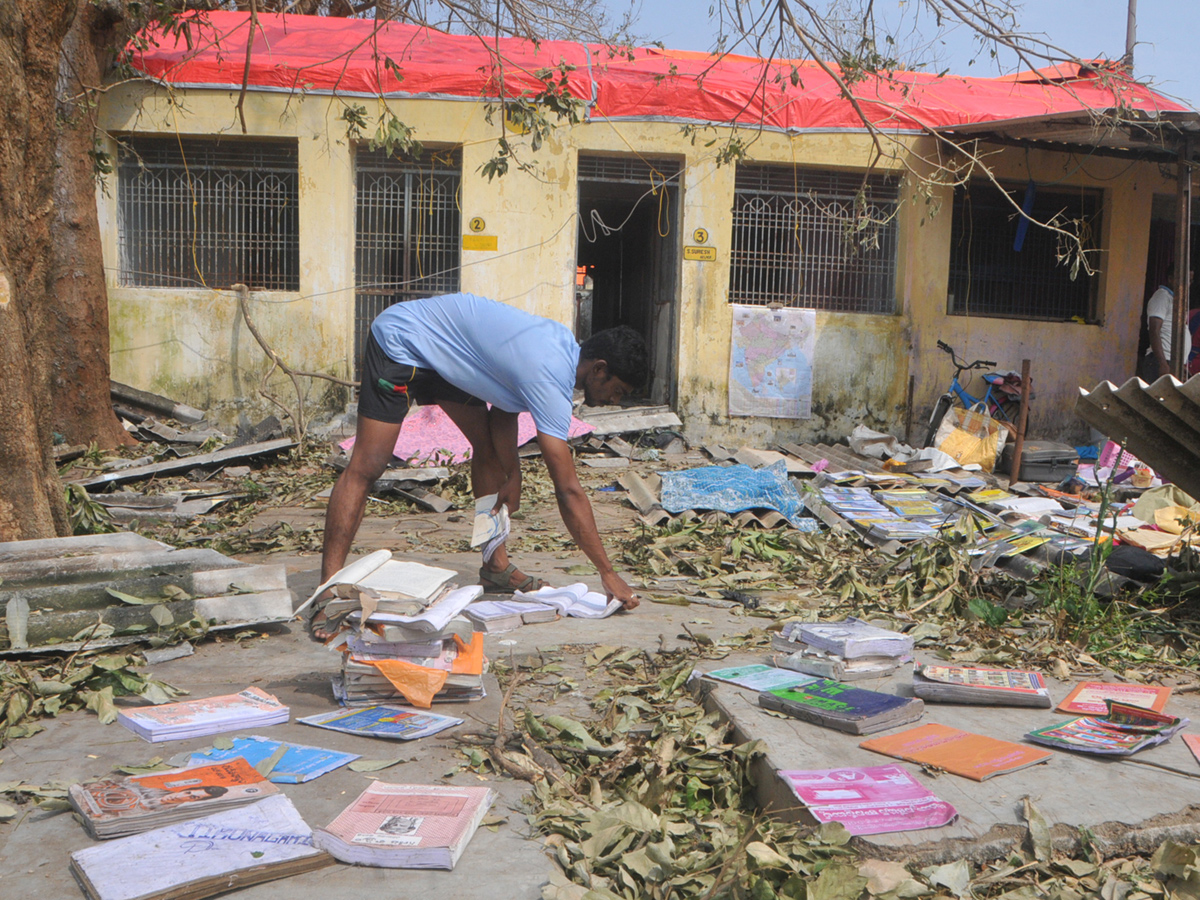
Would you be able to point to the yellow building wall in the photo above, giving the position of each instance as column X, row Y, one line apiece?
column 190, row 342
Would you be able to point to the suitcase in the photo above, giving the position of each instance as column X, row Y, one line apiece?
column 1042, row 461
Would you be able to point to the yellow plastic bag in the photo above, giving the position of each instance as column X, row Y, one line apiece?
column 971, row 436
column 1174, row 519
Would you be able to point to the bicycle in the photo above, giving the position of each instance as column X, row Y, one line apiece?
column 1001, row 400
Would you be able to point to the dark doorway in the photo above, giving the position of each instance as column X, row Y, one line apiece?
column 1161, row 256
column 628, row 256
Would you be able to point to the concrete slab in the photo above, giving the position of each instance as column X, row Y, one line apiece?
column 1127, row 804
column 35, row 848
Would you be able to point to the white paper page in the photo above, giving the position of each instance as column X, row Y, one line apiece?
column 214, row 845
column 412, row 579
column 573, row 600
column 436, row 617
column 350, row 574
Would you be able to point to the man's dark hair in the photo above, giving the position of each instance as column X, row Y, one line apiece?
column 623, row 349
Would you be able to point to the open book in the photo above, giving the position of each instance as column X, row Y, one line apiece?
column 572, row 600
column 396, row 585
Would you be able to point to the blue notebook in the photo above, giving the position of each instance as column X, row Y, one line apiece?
column 845, row 708
column 297, row 765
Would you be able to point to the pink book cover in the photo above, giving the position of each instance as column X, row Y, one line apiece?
column 869, row 800
column 410, row 815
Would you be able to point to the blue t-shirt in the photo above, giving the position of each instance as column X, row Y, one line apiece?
column 510, row 358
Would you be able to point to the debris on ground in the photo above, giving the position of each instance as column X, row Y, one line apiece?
column 67, row 594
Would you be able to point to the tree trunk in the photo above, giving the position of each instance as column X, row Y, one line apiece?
column 31, row 33
column 75, row 353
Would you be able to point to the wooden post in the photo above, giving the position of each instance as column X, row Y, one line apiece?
column 908, row 416
column 1022, row 418
column 1183, row 260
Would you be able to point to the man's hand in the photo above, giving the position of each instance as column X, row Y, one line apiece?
column 616, row 588
column 509, row 493
column 1164, row 367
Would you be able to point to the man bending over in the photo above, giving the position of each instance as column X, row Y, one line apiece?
column 464, row 352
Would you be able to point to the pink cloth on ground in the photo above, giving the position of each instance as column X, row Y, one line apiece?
column 428, row 437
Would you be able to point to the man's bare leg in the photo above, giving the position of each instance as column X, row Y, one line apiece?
column 373, row 445
column 488, row 470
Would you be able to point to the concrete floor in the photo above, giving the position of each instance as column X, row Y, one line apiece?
column 1137, row 802
column 499, row 863
column 1129, row 804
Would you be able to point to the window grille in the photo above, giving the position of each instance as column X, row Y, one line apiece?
column 627, row 169
column 201, row 212
column 814, row 239
column 407, row 236
column 989, row 278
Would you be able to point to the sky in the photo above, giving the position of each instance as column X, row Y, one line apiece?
column 1168, row 35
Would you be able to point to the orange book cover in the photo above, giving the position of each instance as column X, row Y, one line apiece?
column 1193, row 744
column 1087, row 698
column 972, row 756
column 228, row 782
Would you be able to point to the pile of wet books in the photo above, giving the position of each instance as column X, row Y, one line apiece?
column 843, row 651
column 402, row 634
column 385, row 661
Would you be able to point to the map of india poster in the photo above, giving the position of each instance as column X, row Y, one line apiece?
column 770, row 366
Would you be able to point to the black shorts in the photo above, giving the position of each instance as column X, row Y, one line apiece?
column 388, row 389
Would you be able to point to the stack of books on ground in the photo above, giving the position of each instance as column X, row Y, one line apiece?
column 869, row 800
column 842, row 707
column 499, row 616
column 381, row 673
column 431, row 656
column 112, row 808
column 843, row 651
column 980, row 686
column 250, row 708
column 202, row 857
column 406, row 826
column 1123, row 731
column 856, row 505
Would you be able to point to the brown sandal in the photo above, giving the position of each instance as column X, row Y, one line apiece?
column 502, row 582
column 315, row 620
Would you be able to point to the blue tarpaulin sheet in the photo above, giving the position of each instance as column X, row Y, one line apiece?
column 733, row 489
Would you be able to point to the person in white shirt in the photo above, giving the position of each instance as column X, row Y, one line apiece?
column 1160, row 322
column 483, row 362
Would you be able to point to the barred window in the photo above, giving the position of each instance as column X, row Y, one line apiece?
column 999, row 268
column 408, row 239
column 201, row 212
column 814, row 239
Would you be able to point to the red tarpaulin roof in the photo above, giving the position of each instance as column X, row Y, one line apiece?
column 350, row 56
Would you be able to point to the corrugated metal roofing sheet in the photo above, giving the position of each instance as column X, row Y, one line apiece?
column 1159, row 423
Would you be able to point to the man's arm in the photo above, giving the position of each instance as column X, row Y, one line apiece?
column 1154, row 323
column 576, row 512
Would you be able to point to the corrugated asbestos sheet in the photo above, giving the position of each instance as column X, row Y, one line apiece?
column 1158, row 423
